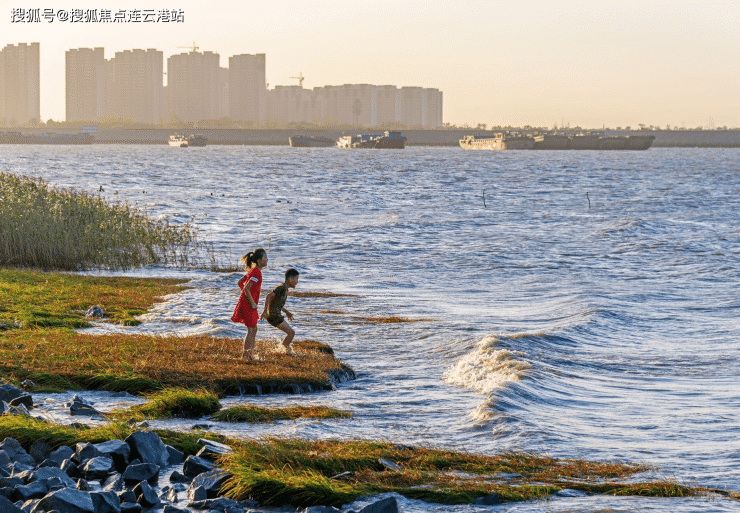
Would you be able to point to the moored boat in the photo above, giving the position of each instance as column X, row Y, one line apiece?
column 500, row 141
column 197, row 140
column 389, row 140
column 587, row 141
column 178, row 141
column 310, row 141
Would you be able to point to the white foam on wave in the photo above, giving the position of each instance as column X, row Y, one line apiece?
column 486, row 367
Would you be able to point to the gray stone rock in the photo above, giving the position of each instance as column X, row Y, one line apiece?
column 4, row 459
column 488, row 500
column 321, row 509
column 83, row 485
column 79, row 406
column 113, row 483
column 171, row 496
column 177, row 477
column 389, row 465
column 94, row 312
column 70, row 469
column 145, row 495
column 169, row 508
column 11, row 482
column 210, row 453
column 129, row 507
column 148, row 447
column 66, row 500
column 39, row 451
column 8, row 392
column 387, row 505
column 106, row 502
column 84, row 451
column 142, row 472
column 58, row 456
column 127, row 496
column 217, row 504
column 211, row 481
column 194, row 466
column 6, row 506
column 25, row 400
column 46, row 473
column 34, row 490
column 97, row 468
column 215, row 447
column 176, row 457
column 197, row 494
column 117, row 450
column 16, row 452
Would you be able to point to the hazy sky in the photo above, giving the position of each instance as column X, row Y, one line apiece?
column 615, row 63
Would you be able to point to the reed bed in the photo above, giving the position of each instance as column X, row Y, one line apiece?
column 48, row 227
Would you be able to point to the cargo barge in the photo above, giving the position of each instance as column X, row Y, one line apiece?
column 590, row 141
column 389, row 140
column 310, row 141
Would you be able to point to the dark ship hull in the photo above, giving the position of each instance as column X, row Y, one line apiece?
column 513, row 141
column 308, row 141
column 387, row 141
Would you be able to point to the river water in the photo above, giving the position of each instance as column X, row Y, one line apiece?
column 580, row 304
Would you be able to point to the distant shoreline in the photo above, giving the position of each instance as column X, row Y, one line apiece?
column 279, row 137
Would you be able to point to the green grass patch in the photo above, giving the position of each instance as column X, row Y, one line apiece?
column 253, row 413
column 49, row 227
column 172, row 402
column 37, row 299
column 27, row 431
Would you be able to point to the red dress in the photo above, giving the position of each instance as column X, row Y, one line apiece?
column 244, row 313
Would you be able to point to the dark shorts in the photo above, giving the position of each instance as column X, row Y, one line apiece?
column 276, row 321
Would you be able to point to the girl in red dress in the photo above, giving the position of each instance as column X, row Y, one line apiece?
column 246, row 309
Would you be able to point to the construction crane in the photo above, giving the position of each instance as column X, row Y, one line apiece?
column 300, row 78
column 195, row 48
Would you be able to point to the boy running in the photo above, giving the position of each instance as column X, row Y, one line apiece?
column 275, row 305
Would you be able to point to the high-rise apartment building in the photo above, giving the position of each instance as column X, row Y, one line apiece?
column 134, row 86
column 20, row 94
column 193, row 87
column 86, row 84
column 357, row 104
column 247, row 88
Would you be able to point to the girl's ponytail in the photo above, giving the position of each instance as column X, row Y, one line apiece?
column 252, row 257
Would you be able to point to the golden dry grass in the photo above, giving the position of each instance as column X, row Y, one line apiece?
column 184, row 362
column 388, row 320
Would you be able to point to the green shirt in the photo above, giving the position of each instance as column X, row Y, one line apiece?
column 275, row 308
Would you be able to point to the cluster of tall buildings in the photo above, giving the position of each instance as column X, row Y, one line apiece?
column 129, row 86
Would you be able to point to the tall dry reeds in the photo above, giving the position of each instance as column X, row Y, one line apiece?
column 47, row 227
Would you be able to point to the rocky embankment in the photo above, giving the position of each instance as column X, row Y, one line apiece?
column 117, row 476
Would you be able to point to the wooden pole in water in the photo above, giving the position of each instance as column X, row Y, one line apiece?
column 484, row 199
column 589, row 201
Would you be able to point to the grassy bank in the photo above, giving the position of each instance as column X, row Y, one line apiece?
column 38, row 341
column 195, row 404
column 304, row 473
column 54, row 228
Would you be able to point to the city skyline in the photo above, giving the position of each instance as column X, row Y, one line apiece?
column 499, row 63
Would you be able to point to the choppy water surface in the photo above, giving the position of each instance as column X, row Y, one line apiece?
column 602, row 327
